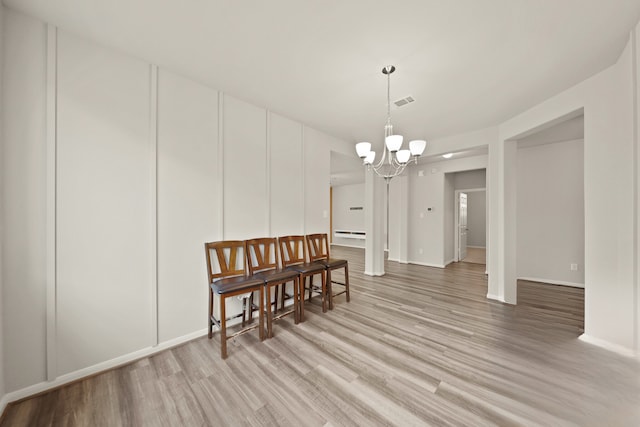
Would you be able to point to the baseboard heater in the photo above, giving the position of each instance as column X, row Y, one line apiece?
column 346, row 234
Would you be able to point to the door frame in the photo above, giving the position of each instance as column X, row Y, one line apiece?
column 456, row 227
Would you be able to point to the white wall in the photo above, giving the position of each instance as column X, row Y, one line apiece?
column 245, row 187
column 104, row 205
column 477, row 218
column 2, row 388
column 609, row 101
column 344, row 198
column 449, row 217
column 24, row 201
column 317, row 166
column 470, row 179
column 550, row 212
column 429, row 237
column 286, row 169
column 188, row 200
column 150, row 165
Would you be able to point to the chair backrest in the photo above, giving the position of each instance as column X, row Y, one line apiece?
column 262, row 254
column 225, row 259
column 318, row 246
column 293, row 250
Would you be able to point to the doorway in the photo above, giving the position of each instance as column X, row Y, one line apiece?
column 470, row 225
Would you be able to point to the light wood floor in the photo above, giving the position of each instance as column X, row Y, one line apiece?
column 419, row 346
column 476, row 255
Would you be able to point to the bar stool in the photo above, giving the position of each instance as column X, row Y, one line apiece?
column 318, row 246
column 293, row 256
column 228, row 278
column 262, row 259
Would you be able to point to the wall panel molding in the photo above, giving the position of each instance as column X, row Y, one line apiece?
column 153, row 199
column 51, row 143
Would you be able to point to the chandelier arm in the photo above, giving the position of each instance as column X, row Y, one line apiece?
column 382, row 158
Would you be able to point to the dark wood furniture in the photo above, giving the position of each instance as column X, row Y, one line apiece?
column 262, row 260
column 293, row 256
column 318, row 248
column 226, row 270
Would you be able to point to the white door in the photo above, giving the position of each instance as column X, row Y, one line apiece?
column 462, row 225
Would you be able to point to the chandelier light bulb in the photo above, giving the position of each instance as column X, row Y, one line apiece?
column 403, row 156
column 363, row 148
column 393, row 142
column 370, row 158
column 417, row 147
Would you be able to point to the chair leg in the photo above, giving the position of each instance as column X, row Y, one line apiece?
column 346, row 281
column 323, row 277
column 244, row 311
column 300, row 284
column 296, row 302
column 269, row 314
column 210, row 313
column 310, row 287
column 251, row 307
column 283, row 289
column 329, row 289
column 261, row 315
column 223, row 328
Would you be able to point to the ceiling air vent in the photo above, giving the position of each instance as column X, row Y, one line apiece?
column 404, row 101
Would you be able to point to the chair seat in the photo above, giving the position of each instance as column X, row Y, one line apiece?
column 277, row 275
column 233, row 284
column 307, row 267
column 333, row 262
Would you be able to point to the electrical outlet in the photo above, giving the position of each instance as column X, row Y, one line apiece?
column 420, row 251
column 574, row 267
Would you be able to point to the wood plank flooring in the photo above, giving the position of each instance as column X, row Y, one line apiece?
column 419, row 346
column 476, row 255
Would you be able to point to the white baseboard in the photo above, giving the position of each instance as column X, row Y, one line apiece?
column 553, row 282
column 397, row 260
column 347, row 246
column 477, row 247
column 377, row 273
column 449, row 262
column 624, row 351
column 4, row 401
column 495, row 297
column 426, row 264
column 95, row 369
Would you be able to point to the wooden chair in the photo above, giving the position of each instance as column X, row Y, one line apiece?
column 318, row 247
column 228, row 278
column 262, row 259
column 293, row 256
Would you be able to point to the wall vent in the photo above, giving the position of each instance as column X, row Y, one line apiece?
column 404, row 101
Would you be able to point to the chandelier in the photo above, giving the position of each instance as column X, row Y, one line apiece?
column 394, row 159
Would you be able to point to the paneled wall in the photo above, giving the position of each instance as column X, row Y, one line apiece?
column 188, row 193
column 1, row 214
column 141, row 166
column 104, row 211
column 286, row 165
column 24, row 171
column 245, row 170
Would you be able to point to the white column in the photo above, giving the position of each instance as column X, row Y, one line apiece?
column 509, row 222
column 501, row 176
column 374, row 196
column 398, row 217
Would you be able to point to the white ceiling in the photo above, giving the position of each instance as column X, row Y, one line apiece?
column 468, row 63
